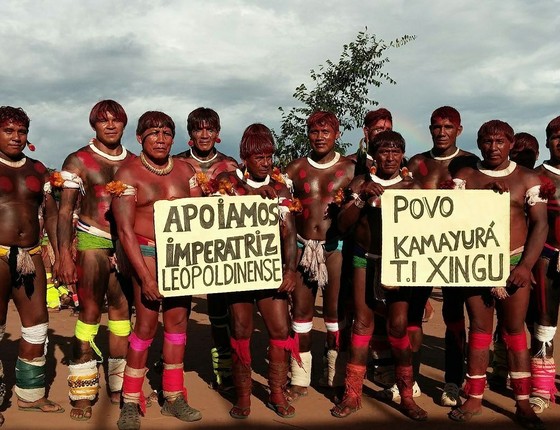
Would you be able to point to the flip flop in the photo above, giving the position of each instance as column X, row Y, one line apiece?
column 338, row 410
column 40, row 404
column 84, row 410
column 292, row 396
column 462, row 416
column 240, row 413
column 282, row 411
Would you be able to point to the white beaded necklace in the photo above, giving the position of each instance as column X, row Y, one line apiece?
column 552, row 169
column 203, row 161
column 326, row 165
column 497, row 173
column 385, row 182
column 448, row 157
column 250, row 182
column 14, row 164
column 99, row 152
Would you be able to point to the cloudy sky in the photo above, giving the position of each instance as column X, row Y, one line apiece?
column 490, row 59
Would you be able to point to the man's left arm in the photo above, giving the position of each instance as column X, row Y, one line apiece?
column 537, row 232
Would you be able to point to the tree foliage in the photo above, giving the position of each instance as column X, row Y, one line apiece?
column 342, row 88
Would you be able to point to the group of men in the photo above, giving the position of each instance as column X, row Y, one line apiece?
column 330, row 216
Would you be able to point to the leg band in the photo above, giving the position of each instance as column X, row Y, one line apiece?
column 83, row 381
column 132, row 387
column 221, row 363
column 520, row 384
column 302, row 326
column 475, row 385
column 30, row 379
column 360, row 341
column 175, row 338
column 137, row 344
column 53, row 300
column 544, row 334
column 301, row 375
column 354, row 383
column 242, row 350
column 115, row 368
column 119, row 327
column 172, row 381
column 86, row 333
column 515, row 342
column 480, row 340
column 413, row 328
column 401, row 343
column 332, row 327
column 543, row 372
column 290, row 344
column 404, row 378
column 36, row 335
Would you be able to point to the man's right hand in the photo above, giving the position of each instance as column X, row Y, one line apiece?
column 150, row 290
column 67, row 273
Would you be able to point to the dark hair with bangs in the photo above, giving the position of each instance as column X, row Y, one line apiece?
column 376, row 115
column 321, row 118
column 447, row 112
column 495, row 126
column 388, row 138
column 101, row 109
column 154, row 119
column 202, row 116
column 12, row 114
column 256, row 139
column 553, row 127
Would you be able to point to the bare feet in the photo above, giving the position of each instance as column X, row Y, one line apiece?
column 526, row 416
column 294, row 392
column 472, row 407
column 41, row 405
column 115, row 397
column 412, row 410
column 81, row 410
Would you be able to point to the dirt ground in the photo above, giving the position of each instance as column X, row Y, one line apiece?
column 312, row 411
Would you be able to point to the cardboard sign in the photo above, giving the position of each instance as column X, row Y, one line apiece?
column 445, row 238
column 217, row 245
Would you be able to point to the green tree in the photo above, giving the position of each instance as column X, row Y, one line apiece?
column 342, row 88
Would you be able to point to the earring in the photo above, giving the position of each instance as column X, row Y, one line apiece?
column 30, row 146
column 190, row 143
column 218, row 140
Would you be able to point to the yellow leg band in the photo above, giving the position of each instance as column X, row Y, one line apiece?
column 119, row 327
column 86, row 333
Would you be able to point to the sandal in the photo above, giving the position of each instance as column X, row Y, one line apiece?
column 530, row 423
column 240, row 413
column 415, row 413
column 539, row 404
column 180, row 409
column 283, row 411
column 39, row 406
column 129, row 419
column 293, row 395
column 345, row 407
column 462, row 416
column 85, row 413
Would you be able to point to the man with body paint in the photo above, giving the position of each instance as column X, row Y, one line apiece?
column 528, row 232
column 25, row 194
column 434, row 169
column 203, row 126
column 153, row 176
column 83, row 178
column 318, row 182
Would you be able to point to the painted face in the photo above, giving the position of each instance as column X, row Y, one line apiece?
column 376, row 128
column 494, row 149
column 388, row 160
column 553, row 144
column 13, row 138
column 259, row 165
column 204, row 138
column 322, row 138
column 156, row 142
column 444, row 134
column 109, row 131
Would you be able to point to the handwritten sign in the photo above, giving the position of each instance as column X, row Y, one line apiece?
column 217, row 244
column 445, row 238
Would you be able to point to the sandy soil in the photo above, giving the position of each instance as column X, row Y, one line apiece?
column 312, row 411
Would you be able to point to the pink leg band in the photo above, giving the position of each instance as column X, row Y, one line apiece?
column 138, row 344
column 480, row 340
column 515, row 342
column 401, row 343
column 290, row 344
column 543, row 372
column 242, row 350
column 360, row 341
column 175, row 338
column 172, row 379
column 133, row 385
column 475, row 386
column 413, row 328
column 521, row 387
